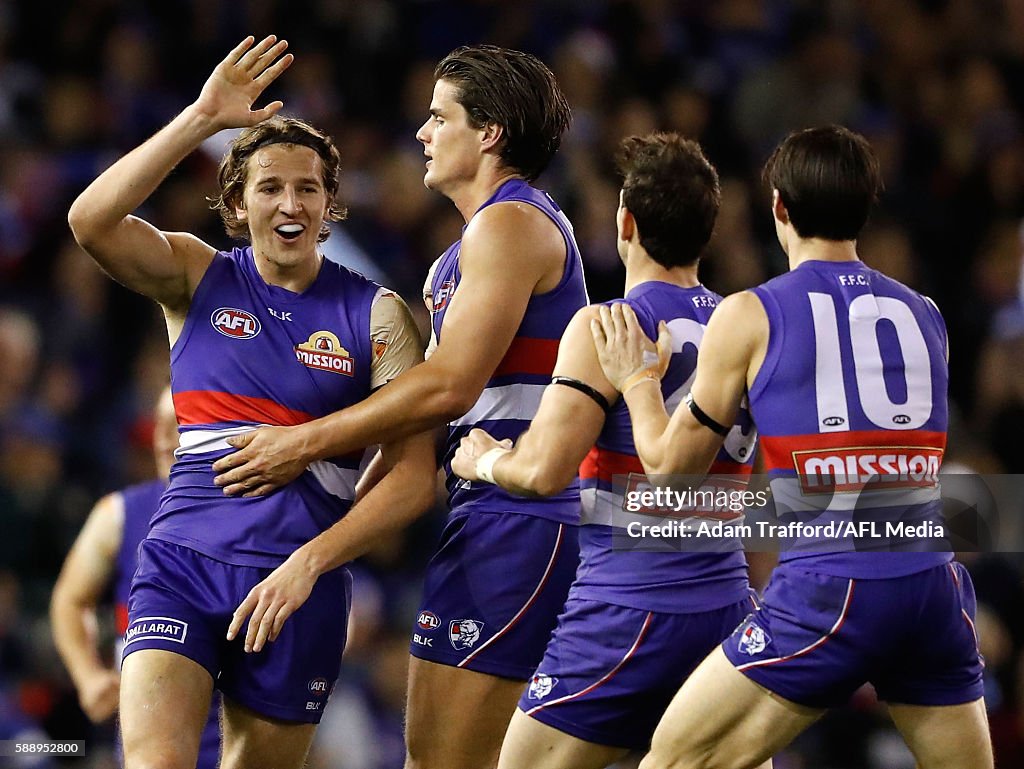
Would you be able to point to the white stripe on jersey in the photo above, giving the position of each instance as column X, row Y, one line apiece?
column 514, row 401
column 337, row 481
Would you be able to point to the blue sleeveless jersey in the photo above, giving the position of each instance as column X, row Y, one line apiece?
column 512, row 395
column 663, row 581
column 253, row 354
column 850, row 404
column 140, row 502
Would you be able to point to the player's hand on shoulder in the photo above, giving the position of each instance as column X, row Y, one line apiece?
column 627, row 354
column 99, row 695
column 471, row 448
column 228, row 96
column 266, row 460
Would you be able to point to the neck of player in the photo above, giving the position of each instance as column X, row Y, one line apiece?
column 479, row 190
column 295, row 276
column 640, row 268
column 819, row 250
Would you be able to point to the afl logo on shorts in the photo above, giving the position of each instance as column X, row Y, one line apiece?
column 237, row 324
column 428, row 620
column 464, row 633
column 320, row 687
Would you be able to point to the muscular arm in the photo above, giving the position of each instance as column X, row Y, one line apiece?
column 547, row 456
column 509, row 251
column 730, row 356
column 167, row 266
column 83, row 579
column 403, row 494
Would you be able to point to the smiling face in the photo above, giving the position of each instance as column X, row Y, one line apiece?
column 453, row 146
column 284, row 204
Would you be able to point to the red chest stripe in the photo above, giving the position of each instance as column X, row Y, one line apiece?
column 202, row 407
column 527, row 355
column 603, row 464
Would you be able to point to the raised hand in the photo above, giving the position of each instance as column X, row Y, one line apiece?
column 236, row 83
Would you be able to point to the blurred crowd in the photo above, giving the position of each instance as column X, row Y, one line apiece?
column 936, row 85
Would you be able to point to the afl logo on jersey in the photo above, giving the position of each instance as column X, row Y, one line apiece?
column 443, row 295
column 324, row 352
column 237, row 324
column 833, row 421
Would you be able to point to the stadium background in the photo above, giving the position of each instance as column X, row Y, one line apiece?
column 936, row 85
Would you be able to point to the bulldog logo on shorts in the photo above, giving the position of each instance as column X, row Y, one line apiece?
column 541, row 685
column 753, row 639
column 464, row 633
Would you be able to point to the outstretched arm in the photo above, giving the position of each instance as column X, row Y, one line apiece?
column 167, row 266
column 83, row 579
column 547, row 456
column 403, row 494
column 730, row 356
column 479, row 325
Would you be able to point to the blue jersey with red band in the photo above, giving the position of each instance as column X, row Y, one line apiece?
column 668, row 580
column 850, row 404
column 512, row 395
column 140, row 502
column 253, row 354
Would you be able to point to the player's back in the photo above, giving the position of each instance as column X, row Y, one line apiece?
column 671, row 575
column 850, row 406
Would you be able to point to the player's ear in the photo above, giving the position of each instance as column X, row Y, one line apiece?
column 491, row 135
column 624, row 221
column 779, row 208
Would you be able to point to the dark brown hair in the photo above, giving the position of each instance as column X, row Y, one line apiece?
column 234, row 168
column 828, row 178
column 673, row 193
column 516, row 91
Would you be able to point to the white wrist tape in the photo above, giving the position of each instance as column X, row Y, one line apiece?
column 485, row 464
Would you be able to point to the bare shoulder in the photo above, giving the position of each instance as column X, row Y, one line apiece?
column 740, row 315
column 514, row 229
column 195, row 253
column 105, row 525
column 741, row 303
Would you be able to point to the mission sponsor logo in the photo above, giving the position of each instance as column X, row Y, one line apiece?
column 867, row 468
column 323, row 351
column 237, row 324
column 156, row 628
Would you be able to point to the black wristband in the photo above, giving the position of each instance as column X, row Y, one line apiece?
column 703, row 418
column 584, row 388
